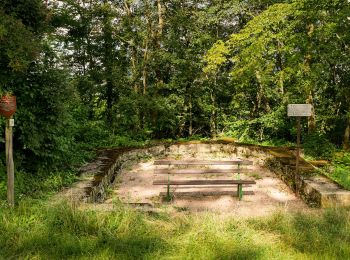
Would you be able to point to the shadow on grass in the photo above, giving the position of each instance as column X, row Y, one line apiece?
column 62, row 231
column 324, row 235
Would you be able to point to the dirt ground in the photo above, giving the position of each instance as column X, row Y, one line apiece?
column 134, row 186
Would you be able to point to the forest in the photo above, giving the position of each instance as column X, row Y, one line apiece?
column 93, row 74
column 96, row 74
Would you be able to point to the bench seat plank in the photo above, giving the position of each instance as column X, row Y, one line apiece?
column 200, row 171
column 190, row 162
column 204, row 193
column 202, row 182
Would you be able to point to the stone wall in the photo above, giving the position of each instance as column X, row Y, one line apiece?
column 316, row 190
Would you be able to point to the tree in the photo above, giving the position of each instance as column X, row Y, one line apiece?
column 292, row 62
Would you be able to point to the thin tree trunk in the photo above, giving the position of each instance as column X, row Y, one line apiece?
column 144, row 70
column 182, row 123
column 134, row 70
column 281, row 66
column 133, row 58
column 108, row 61
column 346, row 142
column 311, row 119
column 213, row 116
column 160, row 20
column 259, row 94
column 149, row 36
column 158, row 38
column 190, row 128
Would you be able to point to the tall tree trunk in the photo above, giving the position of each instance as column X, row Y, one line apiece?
column 158, row 38
column 133, row 57
column 182, row 122
column 190, row 127
column 108, row 63
column 311, row 119
column 149, row 36
column 110, row 100
column 260, row 92
column 134, row 77
column 346, row 142
column 281, row 66
column 144, row 70
column 307, row 61
column 213, row 130
column 160, row 20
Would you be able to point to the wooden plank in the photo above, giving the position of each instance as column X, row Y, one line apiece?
column 193, row 162
column 205, row 193
column 221, row 186
column 202, row 182
column 200, row 171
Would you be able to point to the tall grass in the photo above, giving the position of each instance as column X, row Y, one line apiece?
column 63, row 231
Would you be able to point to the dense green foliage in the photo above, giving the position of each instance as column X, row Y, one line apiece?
column 293, row 52
column 105, row 73
column 340, row 169
column 92, row 73
column 63, row 231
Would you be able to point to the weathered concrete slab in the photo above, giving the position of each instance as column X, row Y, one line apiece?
column 315, row 190
column 325, row 192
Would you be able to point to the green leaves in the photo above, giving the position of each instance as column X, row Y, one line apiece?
column 17, row 44
column 286, row 54
column 216, row 56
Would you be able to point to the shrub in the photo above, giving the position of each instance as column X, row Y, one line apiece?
column 318, row 146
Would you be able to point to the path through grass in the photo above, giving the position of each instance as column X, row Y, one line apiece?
column 63, row 231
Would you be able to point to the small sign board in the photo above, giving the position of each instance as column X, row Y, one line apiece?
column 299, row 109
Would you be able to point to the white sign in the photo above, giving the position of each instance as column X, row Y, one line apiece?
column 11, row 122
column 299, row 109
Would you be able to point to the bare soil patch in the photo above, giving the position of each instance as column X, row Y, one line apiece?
column 134, row 186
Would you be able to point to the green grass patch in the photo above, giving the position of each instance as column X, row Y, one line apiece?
column 38, row 185
column 341, row 169
column 61, row 231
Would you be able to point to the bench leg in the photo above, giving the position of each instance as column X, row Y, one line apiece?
column 240, row 191
column 239, row 186
column 168, row 195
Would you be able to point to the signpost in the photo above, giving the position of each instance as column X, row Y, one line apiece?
column 7, row 109
column 298, row 111
column 9, row 163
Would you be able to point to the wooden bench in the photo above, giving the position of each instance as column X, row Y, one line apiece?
column 168, row 182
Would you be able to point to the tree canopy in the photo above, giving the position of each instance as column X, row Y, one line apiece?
column 86, row 72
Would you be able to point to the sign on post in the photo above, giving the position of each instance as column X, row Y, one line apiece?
column 298, row 110
column 7, row 109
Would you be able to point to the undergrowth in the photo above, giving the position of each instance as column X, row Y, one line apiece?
column 341, row 169
column 62, row 230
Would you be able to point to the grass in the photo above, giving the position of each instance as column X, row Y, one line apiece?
column 38, row 185
column 341, row 169
column 42, row 230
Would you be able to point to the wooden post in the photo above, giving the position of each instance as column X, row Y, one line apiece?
column 9, row 164
column 298, row 110
column 297, row 154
